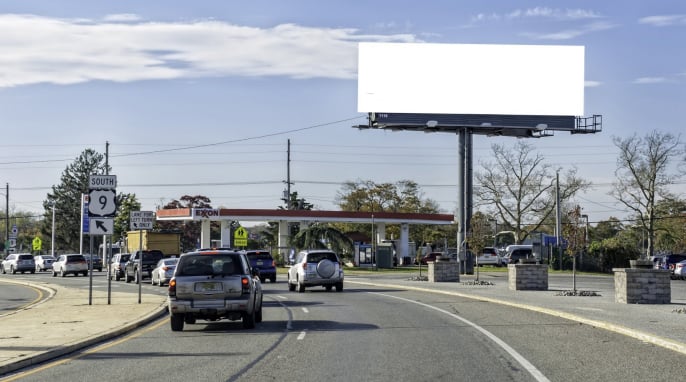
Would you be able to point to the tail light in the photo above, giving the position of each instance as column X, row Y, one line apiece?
column 273, row 263
column 245, row 284
column 172, row 288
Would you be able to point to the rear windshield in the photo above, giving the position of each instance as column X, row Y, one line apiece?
column 201, row 265
column 25, row 257
column 153, row 256
column 260, row 256
column 317, row 257
column 75, row 258
column 125, row 257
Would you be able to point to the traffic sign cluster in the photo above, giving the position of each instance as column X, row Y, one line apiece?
column 102, row 204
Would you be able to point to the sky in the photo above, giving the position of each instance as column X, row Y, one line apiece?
column 202, row 97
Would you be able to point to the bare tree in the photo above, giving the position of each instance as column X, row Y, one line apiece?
column 519, row 188
column 643, row 176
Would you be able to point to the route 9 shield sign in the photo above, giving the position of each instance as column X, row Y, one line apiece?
column 102, row 203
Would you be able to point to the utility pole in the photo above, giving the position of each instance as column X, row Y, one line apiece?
column 288, row 176
column 558, row 218
column 7, row 217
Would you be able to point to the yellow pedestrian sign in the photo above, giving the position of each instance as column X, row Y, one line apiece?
column 37, row 243
column 240, row 237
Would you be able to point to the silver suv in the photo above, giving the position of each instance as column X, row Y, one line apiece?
column 212, row 285
column 316, row 267
column 18, row 262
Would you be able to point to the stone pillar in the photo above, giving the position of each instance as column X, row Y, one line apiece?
column 441, row 271
column 527, row 276
column 403, row 249
column 284, row 248
column 642, row 286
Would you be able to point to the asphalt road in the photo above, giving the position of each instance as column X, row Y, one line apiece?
column 13, row 297
column 372, row 334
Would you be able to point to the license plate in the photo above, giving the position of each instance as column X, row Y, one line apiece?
column 208, row 287
column 259, row 262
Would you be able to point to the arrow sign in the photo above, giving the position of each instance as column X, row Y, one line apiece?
column 101, row 226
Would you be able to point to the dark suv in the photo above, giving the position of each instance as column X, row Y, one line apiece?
column 150, row 259
column 264, row 263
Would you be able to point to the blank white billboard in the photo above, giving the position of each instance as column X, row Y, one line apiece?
column 471, row 79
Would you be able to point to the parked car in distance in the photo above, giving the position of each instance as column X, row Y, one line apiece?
column 117, row 265
column 97, row 261
column 72, row 263
column 489, row 256
column 163, row 271
column 431, row 256
column 43, row 262
column 680, row 270
column 18, row 262
column 213, row 285
column 516, row 252
column 263, row 261
column 150, row 259
column 668, row 262
column 316, row 267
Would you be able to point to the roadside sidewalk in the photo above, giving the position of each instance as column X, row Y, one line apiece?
column 660, row 324
column 65, row 322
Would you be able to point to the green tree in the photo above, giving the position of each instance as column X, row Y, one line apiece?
column 323, row 236
column 402, row 196
column 518, row 188
column 670, row 235
column 125, row 204
column 66, row 197
column 190, row 231
column 643, row 176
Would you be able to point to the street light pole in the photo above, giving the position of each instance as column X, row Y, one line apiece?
column 52, row 241
column 584, row 216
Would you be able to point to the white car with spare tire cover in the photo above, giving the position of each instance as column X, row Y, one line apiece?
column 316, row 267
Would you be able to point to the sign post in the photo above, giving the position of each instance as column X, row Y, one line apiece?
column 141, row 220
column 102, row 206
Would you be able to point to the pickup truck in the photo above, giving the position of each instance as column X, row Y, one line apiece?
column 150, row 259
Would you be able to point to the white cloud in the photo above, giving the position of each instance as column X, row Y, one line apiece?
column 48, row 50
column 122, row 17
column 650, row 80
column 573, row 32
column 545, row 12
column 663, row 20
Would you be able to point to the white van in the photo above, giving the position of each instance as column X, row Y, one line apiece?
column 515, row 252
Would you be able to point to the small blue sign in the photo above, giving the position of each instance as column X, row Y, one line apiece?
column 84, row 213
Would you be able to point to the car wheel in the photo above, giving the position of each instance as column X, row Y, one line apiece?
column 328, row 287
column 12, row 271
column 85, row 273
column 54, row 273
column 249, row 320
column 300, row 286
column 176, row 322
column 339, row 287
column 273, row 279
column 291, row 286
column 262, row 279
column 258, row 315
column 62, row 273
column 117, row 277
column 32, row 271
column 2, row 269
column 127, row 277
